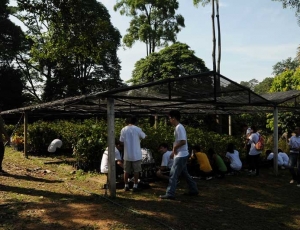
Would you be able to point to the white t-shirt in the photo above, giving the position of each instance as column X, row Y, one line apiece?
column 104, row 161
column 180, row 134
column 235, row 161
column 294, row 143
column 279, row 159
column 253, row 139
column 166, row 160
column 285, row 158
column 131, row 136
column 56, row 143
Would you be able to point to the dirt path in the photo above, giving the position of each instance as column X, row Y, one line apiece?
column 35, row 195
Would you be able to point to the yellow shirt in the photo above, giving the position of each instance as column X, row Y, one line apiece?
column 203, row 161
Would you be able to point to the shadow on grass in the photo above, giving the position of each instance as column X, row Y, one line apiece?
column 31, row 178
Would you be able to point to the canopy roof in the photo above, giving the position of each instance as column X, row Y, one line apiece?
column 204, row 93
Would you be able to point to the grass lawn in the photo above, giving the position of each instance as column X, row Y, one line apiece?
column 38, row 193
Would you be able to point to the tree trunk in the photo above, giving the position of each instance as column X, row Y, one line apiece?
column 214, row 35
column 219, row 39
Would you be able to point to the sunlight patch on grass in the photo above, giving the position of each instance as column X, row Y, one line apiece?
column 262, row 205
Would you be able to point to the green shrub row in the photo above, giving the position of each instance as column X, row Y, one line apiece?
column 86, row 140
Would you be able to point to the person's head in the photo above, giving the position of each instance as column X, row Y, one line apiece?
column 280, row 151
column 59, row 137
column 163, row 147
column 118, row 144
column 297, row 130
column 254, row 129
column 174, row 117
column 196, row 148
column 268, row 152
column 230, row 148
column 131, row 120
column 211, row 152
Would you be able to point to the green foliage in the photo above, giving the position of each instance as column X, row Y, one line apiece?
column 250, row 84
column 72, row 58
column 11, row 87
column 173, row 61
column 153, row 22
column 284, row 65
column 291, row 4
column 11, row 36
column 288, row 80
column 264, row 86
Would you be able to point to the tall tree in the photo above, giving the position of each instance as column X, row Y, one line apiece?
column 74, row 46
column 292, row 4
column 174, row 61
column 215, row 13
column 11, row 35
column 154, row 22
column 11, row 42
column 288, row 80
column 284, row 65
column 264, row 86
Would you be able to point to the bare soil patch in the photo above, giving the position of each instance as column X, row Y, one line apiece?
column 35, row 195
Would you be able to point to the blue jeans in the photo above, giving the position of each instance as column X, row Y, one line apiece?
column 294, row 161
column 178, row 168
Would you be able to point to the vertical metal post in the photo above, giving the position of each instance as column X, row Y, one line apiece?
column 275, row 140
column 25, row 133
column 229, row 126
column 111, row 147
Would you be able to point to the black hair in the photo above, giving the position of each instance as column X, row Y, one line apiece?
column 268, row 152
column 165, row 145
column 197, row 148
column 230, row 148
column 131, row 120
column 175, row 114
column 211, row 152
column 59, row 137
column 253, row 127
column 279, row 150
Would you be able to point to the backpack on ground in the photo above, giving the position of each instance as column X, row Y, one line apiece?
column 260, row 144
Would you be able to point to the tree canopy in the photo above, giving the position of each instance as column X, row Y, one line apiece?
column 173, row 61
column 74, row 48
column 154, row 22
column 292, row 4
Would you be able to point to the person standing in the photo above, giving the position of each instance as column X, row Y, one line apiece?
column 181, row 155
column 2, row 147
column 130, row 137
column 294, row 160
column 254, row 154
column 166, row 162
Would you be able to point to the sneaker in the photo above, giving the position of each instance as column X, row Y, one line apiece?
column 292, row 181
column 166, row 197
column 230, row 174
column 251, row 173
column 126, row 189
column 209, row 178
column 298, row 185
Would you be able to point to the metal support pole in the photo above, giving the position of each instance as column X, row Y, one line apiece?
column 229, row 126
column 25, row 133
column 275, row 141
column 111, row 147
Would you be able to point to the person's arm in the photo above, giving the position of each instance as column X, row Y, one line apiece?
column 3, row 130
column 178, row 145
column 120, row 163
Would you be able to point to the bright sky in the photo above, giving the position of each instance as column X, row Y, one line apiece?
column 256, row 34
